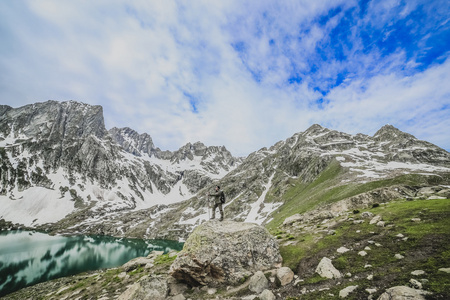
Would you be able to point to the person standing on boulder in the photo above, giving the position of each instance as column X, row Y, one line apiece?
column 217, row 203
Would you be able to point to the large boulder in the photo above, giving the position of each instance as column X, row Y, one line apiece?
column 225, row 253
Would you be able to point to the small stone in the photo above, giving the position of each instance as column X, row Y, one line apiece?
column 211, row 291
column 258, row 282
column 416, row 220
column 375, row 220
column 381, row 224
column 358, row 231
column 400, row 235
column 367, row 248
column 267, row 295
column 348, row 274
column 367, row 214
column 362, row 253
column 342, row 250
column 178, row 297
column 358, row 221
column 399, row 256
column 371, row 291
column 367, row 266
column 415, row 284
column 326, row 269
column 371, row 242
column 370, row 277
column 345, row 292
column 378, row 244
column 446, row 270
column 418, row 272
column 285, row 275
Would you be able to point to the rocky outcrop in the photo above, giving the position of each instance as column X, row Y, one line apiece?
column 225, row 253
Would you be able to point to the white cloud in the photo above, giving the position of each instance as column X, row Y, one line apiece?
column 146, row 61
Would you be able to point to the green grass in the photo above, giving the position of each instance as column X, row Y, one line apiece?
column 326, row 189
column 426, row 248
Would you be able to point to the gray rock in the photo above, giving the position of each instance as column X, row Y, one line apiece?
column 342, row 250
column 418, row 272
column 367, row 214
column 285, row 275
column 136, row 263
column 415, row 284
column 326, row 269
column 147, row 288
column 346, row 291
column 446, row 270
column 375, row 219
column 403, row 293
column 267, row 295
column 258, row 282
column 225, row 252
column 399, row 256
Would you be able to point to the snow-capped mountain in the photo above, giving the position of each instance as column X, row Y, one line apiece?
column 58, row 158
column 62, row 167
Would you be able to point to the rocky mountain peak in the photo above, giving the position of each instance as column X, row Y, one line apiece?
column 390, row 133
column 133, row 142
column 54, row 120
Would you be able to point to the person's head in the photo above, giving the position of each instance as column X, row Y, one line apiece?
column 217, row 187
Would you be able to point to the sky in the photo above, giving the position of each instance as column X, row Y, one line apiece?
column 243, row 74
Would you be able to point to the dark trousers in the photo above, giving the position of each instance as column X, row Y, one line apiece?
column 219, row 205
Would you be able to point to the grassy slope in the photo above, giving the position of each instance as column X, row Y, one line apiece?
column 326, row 189
column 426, row 248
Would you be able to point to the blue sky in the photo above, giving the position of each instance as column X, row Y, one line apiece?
column 244, row 74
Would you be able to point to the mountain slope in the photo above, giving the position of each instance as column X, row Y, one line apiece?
column 57, row 158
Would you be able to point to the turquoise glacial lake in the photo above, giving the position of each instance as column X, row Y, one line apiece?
column 27, row 258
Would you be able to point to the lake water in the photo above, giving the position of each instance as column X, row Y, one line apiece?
column 27, row 258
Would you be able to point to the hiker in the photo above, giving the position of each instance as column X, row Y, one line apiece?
column 217, row 202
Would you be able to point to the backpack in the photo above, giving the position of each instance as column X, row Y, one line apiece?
column 222, row 197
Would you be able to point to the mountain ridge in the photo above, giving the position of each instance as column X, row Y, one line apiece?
column 111, row 180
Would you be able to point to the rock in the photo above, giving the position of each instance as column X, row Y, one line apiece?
column 367, row 214
column 225, row 252
column 258, row 282
column 342, row 250
column 399, row 256
column 327, row 270
column 178, row 297
column 416, row 220
column 446, row 270
column 371, row 291
column 370, row 277
column 136, row 263
column 285, row 275
column 400, row 235
column 375, row 219
column 418, row 272
column 345, row 292
column 381, row 224
column 362, row 253
column 415, row 284
column 175, row 287
column 401, row 293
column 267, row 295
column 147, row 288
